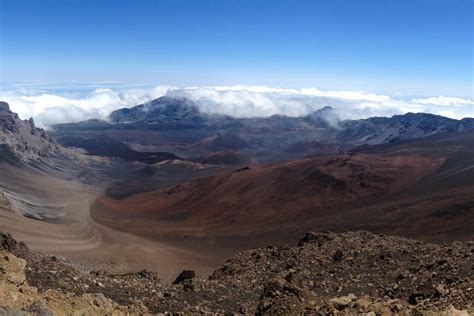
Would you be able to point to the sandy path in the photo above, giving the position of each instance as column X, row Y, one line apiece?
column 86, row 243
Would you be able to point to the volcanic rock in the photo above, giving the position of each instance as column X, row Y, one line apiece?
column 185, row 275
column 9, row 244
column 244, row 284
column 4, row 106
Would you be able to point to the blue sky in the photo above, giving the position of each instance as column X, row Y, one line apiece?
column 415, row 48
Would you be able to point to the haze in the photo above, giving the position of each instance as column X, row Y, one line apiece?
column 54, row 66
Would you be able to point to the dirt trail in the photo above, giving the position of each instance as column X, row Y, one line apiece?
column 85, row 243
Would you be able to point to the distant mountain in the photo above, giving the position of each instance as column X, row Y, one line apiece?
column 380, row 130
column 176, row 125
column 162, row 111
column 325, row 117
column 168, row 113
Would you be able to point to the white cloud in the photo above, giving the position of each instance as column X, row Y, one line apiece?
column 444, row 101
column 51, row 106
column 447, row 106
column 48, row 108
column 347, row 95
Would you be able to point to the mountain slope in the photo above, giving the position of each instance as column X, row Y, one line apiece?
column 350, row 273
column 168, row 113
column 418, row 188
column 22, row 139
column 36, row 172
column 380, row 130
column 264, row 200
column 164, row 111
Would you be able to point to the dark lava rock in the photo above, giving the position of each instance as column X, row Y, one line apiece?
column 424, row 291
column 291, row 280
column 188, row 285
column 337, row 256
column 4, row 106
column 185, row 275
column 145, row 274
column 280, row 297
column 9, row 244
column 241, row 169
column 306, row 238
column 314, row 238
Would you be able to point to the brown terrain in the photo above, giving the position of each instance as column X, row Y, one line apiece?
column 325, row 274
column 109, row 236
column 46, row 191
column 259, row 200
column 418, row 188
column 52, row 215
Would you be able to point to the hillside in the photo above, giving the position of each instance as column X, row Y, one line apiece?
column 268, row 201
column 22, row 139
column 46, row 191
column 119, row 216
column 417, row 188
column 326, row 273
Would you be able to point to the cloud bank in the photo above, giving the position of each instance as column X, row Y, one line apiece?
column 69, row 104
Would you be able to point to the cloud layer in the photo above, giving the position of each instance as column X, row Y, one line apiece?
column 69, row 104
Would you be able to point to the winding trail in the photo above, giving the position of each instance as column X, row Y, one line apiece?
column 86, row 244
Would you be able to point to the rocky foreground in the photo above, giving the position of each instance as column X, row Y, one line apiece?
column 326, row 273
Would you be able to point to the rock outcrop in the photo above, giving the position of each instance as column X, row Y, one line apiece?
column 4, row 107
column 23, row 139
column 9, row 244
column 376, row 275
column 17, row 297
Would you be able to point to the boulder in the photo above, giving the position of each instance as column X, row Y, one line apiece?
column 337, row 256
column 343, row 301
column 9, row 244
column 185, row 275
column 4, row 107
column 424, row 291
column 281, row 298
column 315, row 238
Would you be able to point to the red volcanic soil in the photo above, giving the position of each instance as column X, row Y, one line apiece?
column 266, row 203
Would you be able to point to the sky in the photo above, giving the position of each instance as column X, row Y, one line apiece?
column 400, row 49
